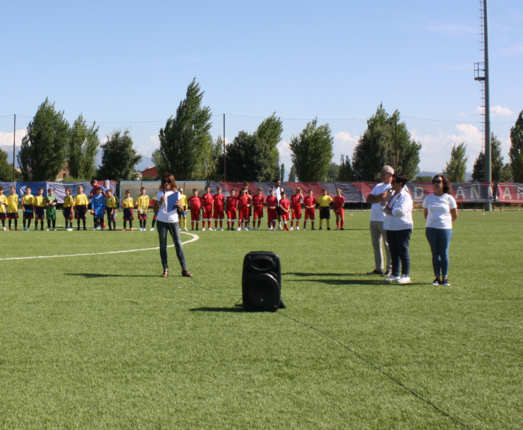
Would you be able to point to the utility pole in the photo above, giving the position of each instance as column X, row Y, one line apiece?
column 481, row 74
column 224, row 153
column 14, row 150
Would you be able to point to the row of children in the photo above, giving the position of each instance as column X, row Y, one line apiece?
column 216, row 207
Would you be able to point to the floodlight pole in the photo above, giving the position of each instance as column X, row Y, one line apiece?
column 224, row 154
column 488, row 146
column 14, row 150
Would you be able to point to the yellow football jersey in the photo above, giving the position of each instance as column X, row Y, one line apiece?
column 81, row 200
column 127, row 203
column 184, row 201
column 111, row 202
column 28, row 199
column 68, row 201
column 40, row 201
column 3, row 203
column 324, row 201
column 143, row 203
column 12, row 203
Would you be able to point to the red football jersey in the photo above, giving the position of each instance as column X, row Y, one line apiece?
column 207, row 199
column 285, row 204
column 232, row 202
column 257, row 201
column 244, row 200
column 295, row 200
column 195, row 202
column 309, row 201
column 272, row 201
column 218, row 201
column 339, row 202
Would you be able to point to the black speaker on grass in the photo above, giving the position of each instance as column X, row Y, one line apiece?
column 261, row 282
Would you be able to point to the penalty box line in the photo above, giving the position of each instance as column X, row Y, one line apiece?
column 194, row 239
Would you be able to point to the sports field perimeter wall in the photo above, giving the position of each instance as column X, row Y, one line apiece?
column 357, row 192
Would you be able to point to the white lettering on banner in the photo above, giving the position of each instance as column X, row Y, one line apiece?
column 490, row 191
column 475, row 192
column 520, row 193
column 459, row 193
column 506, row 193
column 419, row 193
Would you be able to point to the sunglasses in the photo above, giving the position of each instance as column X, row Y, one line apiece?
column 437, row 181
column 168, row 181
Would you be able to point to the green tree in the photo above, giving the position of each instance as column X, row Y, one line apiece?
column 119, row 158
column 282, row 172
column 312, row 152
column 270, row 131
column 456, row 167
column 83, row 148
column 386, row 141
column 516, row 149
column 44, row 147
column 248, row 158
column 185, row 139
column 426, row 178
column 292, row 174
column 333, row 172
column 499, row 171
column 6, row 169
column 345, row 172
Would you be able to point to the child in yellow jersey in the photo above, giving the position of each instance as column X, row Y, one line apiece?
column 325, row 213
column 185, row 203
column 127, row 206
column 155, row 218
column 40, row 204
column 3, row 207
column 68, row 210
column 81, row 204
column 28, row 203
column 12, row 207
column 111, row 203
column 142, row 203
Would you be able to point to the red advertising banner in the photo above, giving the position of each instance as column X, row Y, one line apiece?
column 509, row 193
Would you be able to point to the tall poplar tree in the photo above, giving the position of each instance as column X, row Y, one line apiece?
column 456, row 167
column 82, row 149
column 119, row 158
column 44, row 147
column 516, row 149
column 312, row 152
column 345, row 171
column 185, row 140
column 500, row 170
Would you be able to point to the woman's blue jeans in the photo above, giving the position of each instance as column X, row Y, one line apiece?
column 398, row 242
column 174, row 230
column 439, row 240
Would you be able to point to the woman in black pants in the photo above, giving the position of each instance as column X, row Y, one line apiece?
column 168, row 222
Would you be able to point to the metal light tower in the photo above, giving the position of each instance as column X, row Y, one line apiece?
column 481, row 74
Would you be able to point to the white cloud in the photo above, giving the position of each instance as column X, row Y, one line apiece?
column 462, row 114
column 284, row 149
column 6, row 139
column 495, row 111
column 501, row 111
column 344, row 137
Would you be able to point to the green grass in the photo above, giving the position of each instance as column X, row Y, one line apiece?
column 104, row 342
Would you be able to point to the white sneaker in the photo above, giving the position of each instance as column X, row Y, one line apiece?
column 184, row 229
column 405, row 279
column 392, row 278
column 54, row 229
column 258, row 228
column 210, row 229
column 5, row 229
column 292, row 228
column 94, row 229
column 239, row 229
column 203, row 229
column 48, row 229
column 280, row 226
column 298, row 228
column 152, row 229
column 221, row 229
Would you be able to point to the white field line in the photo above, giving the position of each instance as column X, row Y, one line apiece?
column 194, row 239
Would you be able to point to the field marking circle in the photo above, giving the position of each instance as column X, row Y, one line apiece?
column 194, row 239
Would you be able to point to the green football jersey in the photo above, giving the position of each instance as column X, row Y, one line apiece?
column 51, row 210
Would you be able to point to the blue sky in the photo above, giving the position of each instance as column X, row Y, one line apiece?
column 132, row 61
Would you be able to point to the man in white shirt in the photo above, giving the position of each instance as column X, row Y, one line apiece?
column 377, row 216
column 277, row 193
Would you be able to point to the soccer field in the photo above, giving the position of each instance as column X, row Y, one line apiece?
column 101, row 341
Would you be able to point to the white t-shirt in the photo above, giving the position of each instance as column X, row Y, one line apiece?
column 376, row 214
column 277, row 192
column 439, row 210
column 163, row 214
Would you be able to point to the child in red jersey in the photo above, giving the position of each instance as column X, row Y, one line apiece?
column 195, row 203
column 208, row 205
column 310, row 206
column 272, row 212
column 285, row 209
column 339, row 203
column 296, row 208
column 232, row 203
column 244, row 203
column 219, row 198
column 257, row 203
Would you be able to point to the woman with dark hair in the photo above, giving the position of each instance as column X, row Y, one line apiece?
column 397, row 205
column 440, row 210
column 168, row 222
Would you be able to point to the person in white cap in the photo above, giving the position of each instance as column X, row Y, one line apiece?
column 377, row 216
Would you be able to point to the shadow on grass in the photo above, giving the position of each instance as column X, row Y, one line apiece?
column 226, row 309
column 323, row 274
column 105, row 275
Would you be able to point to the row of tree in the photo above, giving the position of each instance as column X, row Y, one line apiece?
column 188, row 150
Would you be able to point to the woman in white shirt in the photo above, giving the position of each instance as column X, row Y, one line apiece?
column 168, row 222
column 398, row 224
column 440, row 211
